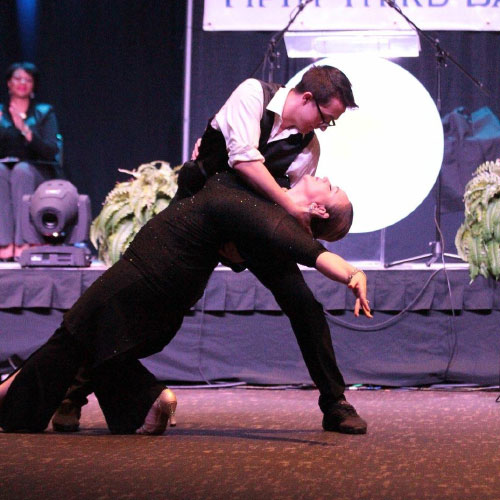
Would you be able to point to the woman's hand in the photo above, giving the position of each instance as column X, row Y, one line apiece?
column 336, row 268
column 18, row 118
column 358, row 287
column 303, row 216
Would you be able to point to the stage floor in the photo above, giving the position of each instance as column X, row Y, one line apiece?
column 250, row 444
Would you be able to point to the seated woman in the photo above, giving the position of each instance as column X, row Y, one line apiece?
column 136, row 307
column 28, row 150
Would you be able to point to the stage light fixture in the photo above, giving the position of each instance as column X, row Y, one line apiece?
column 56, row 219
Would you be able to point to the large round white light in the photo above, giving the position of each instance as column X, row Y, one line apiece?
column 387, row 154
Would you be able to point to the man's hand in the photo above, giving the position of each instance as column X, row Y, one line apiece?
column 304, row 214
column 256, row 175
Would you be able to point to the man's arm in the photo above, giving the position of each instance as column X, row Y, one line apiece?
column 239, row 122
column 256, row 175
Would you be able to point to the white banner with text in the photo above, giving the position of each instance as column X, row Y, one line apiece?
column 335, row 15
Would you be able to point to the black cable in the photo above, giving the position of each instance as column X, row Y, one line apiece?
column 380, row 326
column 399, row 316
column 452, row 319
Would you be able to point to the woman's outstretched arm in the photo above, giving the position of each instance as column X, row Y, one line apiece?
column 337, row 269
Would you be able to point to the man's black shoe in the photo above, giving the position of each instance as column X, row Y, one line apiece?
column 342, row 417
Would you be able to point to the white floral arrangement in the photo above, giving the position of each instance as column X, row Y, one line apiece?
column 130, row 205
column 478, row 238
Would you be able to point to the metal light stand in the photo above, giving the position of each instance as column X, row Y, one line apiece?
column 272, row 56
column 442, row 56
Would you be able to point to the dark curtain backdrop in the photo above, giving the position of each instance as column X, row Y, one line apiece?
column 114, row 72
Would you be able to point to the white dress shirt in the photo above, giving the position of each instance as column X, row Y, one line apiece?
column 239, row 122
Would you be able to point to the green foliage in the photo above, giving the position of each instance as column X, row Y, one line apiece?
column 478, row 238
column 130, row 205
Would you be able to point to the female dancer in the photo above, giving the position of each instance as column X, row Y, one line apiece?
column 135, row 308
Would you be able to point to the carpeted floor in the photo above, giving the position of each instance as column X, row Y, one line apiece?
column 267, row 444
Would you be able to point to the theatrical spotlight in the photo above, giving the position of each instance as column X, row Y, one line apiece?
column 55, row 219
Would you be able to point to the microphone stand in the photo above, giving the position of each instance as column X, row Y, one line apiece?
column 442, row 56
column 271, row 56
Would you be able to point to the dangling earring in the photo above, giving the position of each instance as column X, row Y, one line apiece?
column 32, row 95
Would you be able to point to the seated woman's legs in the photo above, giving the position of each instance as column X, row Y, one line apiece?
column 6, row 214
column 25, row 178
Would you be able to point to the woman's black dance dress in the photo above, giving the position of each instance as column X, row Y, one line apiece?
column 135, row 308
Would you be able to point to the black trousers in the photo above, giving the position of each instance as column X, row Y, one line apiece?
column 307, row 318
column 124, row 388
column 284, row 279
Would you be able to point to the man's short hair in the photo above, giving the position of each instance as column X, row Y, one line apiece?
column 336, row 226
column 325, row 83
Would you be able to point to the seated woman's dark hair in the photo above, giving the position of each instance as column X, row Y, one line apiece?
column 29, row 67
column 336, row 226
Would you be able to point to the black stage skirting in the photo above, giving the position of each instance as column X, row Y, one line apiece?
column 236, row 331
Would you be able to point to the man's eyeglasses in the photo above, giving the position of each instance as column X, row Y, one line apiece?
column 324, row 123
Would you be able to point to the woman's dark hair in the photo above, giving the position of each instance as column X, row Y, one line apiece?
column 325, row 83
column 30, row 68
column 336, row 226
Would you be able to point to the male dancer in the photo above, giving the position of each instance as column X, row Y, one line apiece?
column 265, row 132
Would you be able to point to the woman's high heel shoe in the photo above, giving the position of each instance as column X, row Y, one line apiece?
column 160, row 414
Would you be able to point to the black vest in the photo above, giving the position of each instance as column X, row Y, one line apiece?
column 278, row 155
